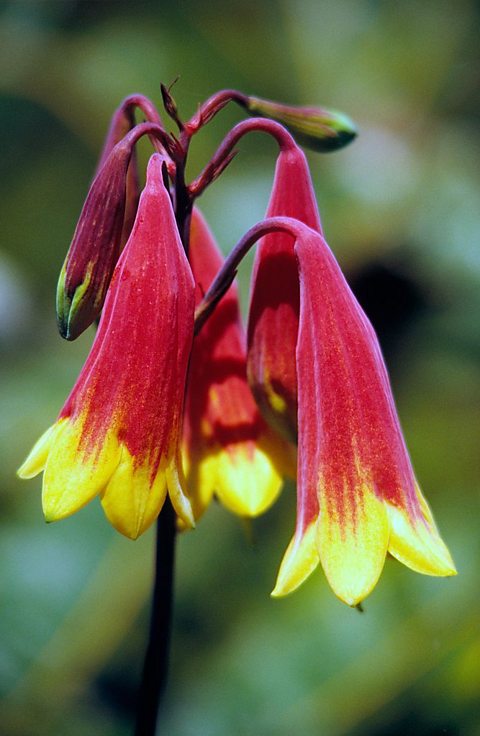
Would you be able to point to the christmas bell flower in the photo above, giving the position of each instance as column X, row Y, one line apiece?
column 118, row 434
column 274, row 305
column 357, row 494
column 228, row 449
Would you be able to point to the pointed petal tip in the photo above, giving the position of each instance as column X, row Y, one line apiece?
column 299, row 561
column 24, row 472
column 36, row 460
column 353, row 601
column 353, row 551
column 352, row 590
column 55, row 511
column 179, row 499
column 132, row 500
column 72, row 478
column 128, row 531
column 417, row 543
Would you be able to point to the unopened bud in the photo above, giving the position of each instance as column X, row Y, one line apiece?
column 313, row 127
column 95, row 248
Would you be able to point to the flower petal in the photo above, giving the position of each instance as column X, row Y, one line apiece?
column 178, row 497
column 37, row 458
column 417, row 543
column 74, row 476
column 274, row 305
column 131, row 500
column 353, row 546
column 299, row 561
column 246, row 480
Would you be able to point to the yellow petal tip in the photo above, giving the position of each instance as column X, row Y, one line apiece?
column 353, row 549
column 243, row 477
column 299, row 561
column 417, row 543
column 132, row 500
column 36, row 460
column 180, row 501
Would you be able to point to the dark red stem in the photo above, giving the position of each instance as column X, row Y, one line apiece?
column 227, row 273
column 145, row 105
column 155, row 667
column 216, row 164
column 156, row 133
column 212, row 106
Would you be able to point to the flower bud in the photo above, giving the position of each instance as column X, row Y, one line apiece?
column 313, row 127
column 95, row 247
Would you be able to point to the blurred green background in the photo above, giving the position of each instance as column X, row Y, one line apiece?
column 400, row 208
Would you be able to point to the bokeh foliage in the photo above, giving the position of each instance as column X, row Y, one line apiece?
column 400, row 209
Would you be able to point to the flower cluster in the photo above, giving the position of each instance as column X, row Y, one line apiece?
column 175, row 400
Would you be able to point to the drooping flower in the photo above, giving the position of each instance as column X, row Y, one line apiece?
column 357, row 494
column 228, row 448
column 274, row 306
column 118, row 433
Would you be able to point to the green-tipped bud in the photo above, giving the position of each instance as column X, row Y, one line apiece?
column 106, row 220
column 95, row 247
column 318, row 129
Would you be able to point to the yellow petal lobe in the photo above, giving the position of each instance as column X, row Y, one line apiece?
column 131, row 501
column 416, row 542
column 199, row 475
column 353, row 549
column 72, row 476
column 244, row 479
column 178, row 497
column 37, row 458
column 299, row 561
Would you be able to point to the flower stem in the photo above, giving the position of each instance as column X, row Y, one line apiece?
column 228, row 271
column 212, row 106
column 155, row 668
column 224, row 151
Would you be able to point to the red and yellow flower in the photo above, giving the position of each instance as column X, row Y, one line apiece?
column 228, row 449
column 314, row 366
column 274, row 306
column 357, row 494
column 118, row 434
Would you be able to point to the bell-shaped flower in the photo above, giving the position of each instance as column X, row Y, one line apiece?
column 357, row 494
column 274, row 306
column 118, row 434
column 228, row 449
